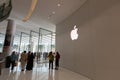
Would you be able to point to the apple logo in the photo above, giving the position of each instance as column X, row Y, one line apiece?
column 74, row 34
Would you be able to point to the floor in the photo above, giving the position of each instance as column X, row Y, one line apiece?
column 40, row 72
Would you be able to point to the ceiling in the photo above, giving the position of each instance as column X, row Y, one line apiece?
column 46, row 15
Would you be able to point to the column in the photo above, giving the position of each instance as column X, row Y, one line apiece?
column 8, row 43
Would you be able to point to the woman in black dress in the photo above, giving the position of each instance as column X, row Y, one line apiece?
column 30, row 61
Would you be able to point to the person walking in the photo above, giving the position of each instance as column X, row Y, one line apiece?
column 13, row 58
column 23, row 60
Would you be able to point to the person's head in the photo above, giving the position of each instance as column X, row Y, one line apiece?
column 24, row 51
column 50, row 52
column 13, row 52
column 29, row 51
column 57, row 52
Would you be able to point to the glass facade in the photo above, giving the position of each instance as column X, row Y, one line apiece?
column 47, row 40
column 42, row 41
column 24, row 42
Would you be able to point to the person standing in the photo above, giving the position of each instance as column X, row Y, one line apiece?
column 30, row 61
column 51, row 59
column 23, row 60
column 57, row 58
column 13, row 59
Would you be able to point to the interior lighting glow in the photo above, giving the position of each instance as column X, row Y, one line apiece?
column 74, row 33
column 53, row 12
column 58, row 5
column 33, row 5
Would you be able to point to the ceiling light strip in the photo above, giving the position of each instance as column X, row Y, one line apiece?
column 33, row 5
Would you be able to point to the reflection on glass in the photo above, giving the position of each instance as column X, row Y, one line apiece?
column 2, row 37
column 24, row 42
column 47, row 41
column 34, row 41
column 16, row 43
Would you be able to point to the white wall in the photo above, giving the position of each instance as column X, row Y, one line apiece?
column 96, row 53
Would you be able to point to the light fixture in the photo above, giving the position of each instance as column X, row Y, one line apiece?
column 49, row 16
column 53, row 12
column 33, row 5
column 59, row 5
column 74, row 34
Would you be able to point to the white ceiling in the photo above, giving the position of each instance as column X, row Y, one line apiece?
column 46, row 14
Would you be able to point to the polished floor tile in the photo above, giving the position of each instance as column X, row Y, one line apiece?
column 40, row 72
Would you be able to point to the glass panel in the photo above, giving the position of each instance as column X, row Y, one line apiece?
column 2, row 37
column 47, row 41
column 24, row 42
column 34, row 41
column 16, row 43
column 53, row 41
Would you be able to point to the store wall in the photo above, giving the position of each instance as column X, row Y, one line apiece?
column 96, row 53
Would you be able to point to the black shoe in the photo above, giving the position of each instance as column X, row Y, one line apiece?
column 22, row 70
column 56, row 68
column 11, row 69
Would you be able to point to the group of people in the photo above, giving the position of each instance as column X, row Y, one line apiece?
column 27, row 60
column 51, row 57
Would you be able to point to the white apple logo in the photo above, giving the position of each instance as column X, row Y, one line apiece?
column 74, row 34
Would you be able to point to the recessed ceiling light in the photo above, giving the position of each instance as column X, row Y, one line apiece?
column 53, row 12
column 48, row 17
column 59, row 5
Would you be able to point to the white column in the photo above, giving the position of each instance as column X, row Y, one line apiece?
column 9, row 37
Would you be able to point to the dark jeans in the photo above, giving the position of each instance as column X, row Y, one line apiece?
column 50, row 64
column 56, row 63
column 13, row 64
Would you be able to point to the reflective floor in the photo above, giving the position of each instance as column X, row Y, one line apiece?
column 40, row 72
